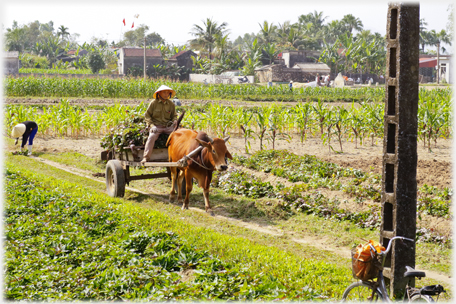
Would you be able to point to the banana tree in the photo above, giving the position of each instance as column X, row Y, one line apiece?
column 270, row 51
column 252, row 60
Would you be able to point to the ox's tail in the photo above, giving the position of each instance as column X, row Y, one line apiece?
column 176, row 127
column 179, row 120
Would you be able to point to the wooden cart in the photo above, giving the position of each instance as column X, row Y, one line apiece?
column 119, row 163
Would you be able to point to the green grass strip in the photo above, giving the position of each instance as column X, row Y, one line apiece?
column 269, row 273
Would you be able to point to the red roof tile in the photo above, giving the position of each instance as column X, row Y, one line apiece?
column 428, row 62
column 178, row 54
column 140, row 52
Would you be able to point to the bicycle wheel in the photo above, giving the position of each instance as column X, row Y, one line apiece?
column 361, row 292
column 416, row 297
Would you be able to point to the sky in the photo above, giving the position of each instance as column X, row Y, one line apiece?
column 174, row 19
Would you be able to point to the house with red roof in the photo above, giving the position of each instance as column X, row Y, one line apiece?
column 428, row 68
column 183, row 59
column 134, row 57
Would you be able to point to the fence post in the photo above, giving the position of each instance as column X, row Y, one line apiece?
column 400, row 141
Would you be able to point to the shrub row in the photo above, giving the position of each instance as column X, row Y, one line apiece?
column 361, row 185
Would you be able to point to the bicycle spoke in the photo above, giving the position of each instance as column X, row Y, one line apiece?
column 360, row 292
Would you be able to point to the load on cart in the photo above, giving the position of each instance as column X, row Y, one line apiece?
column 194, row 155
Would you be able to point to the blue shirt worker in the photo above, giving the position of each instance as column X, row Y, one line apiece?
column 291, row 85
column 27, row 130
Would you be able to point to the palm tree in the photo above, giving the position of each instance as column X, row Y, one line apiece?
column 15, row 39
column 333, row 30
column 352, row 23
column 62, row 32
column 436, row 39
column 282, row 32
column 424, row 35
column 315, row 32
column 365, row 35
column 315, row 18
column 267, row 32
column 207, row 35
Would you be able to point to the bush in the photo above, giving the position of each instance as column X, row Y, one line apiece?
column 96, row 62
column 135, row 71
column 32, row 61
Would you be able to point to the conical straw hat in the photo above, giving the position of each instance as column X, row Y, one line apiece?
column 18, row 130
column 165, row 88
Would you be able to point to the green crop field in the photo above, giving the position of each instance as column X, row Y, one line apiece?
column 284, row 224
column 139, row 88
column 359, row 122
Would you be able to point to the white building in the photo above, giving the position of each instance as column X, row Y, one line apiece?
column 445, row 69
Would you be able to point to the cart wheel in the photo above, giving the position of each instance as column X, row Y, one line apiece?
column 115, row 179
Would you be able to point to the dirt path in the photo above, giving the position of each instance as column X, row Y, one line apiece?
column 434, row 168
column 270, row 230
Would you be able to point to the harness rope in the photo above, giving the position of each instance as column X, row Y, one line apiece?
column 202, row 162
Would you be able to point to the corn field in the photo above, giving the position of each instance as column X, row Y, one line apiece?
column 361, row 123
column 140, row 88
column 54, row 71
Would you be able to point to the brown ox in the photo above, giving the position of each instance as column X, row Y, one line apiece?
column 211, row 158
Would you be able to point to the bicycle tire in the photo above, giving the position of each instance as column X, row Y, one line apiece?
column 416, row 297
column 361, row 292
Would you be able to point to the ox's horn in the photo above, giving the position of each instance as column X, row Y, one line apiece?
column 210, row 140
column 226, row 138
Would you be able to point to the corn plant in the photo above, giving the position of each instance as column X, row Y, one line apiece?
column 373, row 116
column 303, row 114
column 356, row 124
column 321, row 112
column 262, row 120
column 339, row 122
column 245, row 122
column 329, row 123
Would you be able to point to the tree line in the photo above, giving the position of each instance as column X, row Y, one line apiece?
column 344, row 45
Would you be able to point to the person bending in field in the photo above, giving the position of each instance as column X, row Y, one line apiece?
column 27, row 130
column 160, row 116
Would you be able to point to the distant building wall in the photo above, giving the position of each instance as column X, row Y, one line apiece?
column 292, row 57
column 445, row 69
column 279, row 73
column 185, row 60
column 130, row 62
column 10, row 63
column 135, row 58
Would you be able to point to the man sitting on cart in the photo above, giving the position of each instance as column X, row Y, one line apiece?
column 161, row 116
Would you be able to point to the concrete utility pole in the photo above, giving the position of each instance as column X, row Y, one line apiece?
column 438, row 62
column 400, row 140
column 144, row 58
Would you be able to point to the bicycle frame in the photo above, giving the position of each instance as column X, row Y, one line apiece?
column 379, row 286
column 382, row 286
